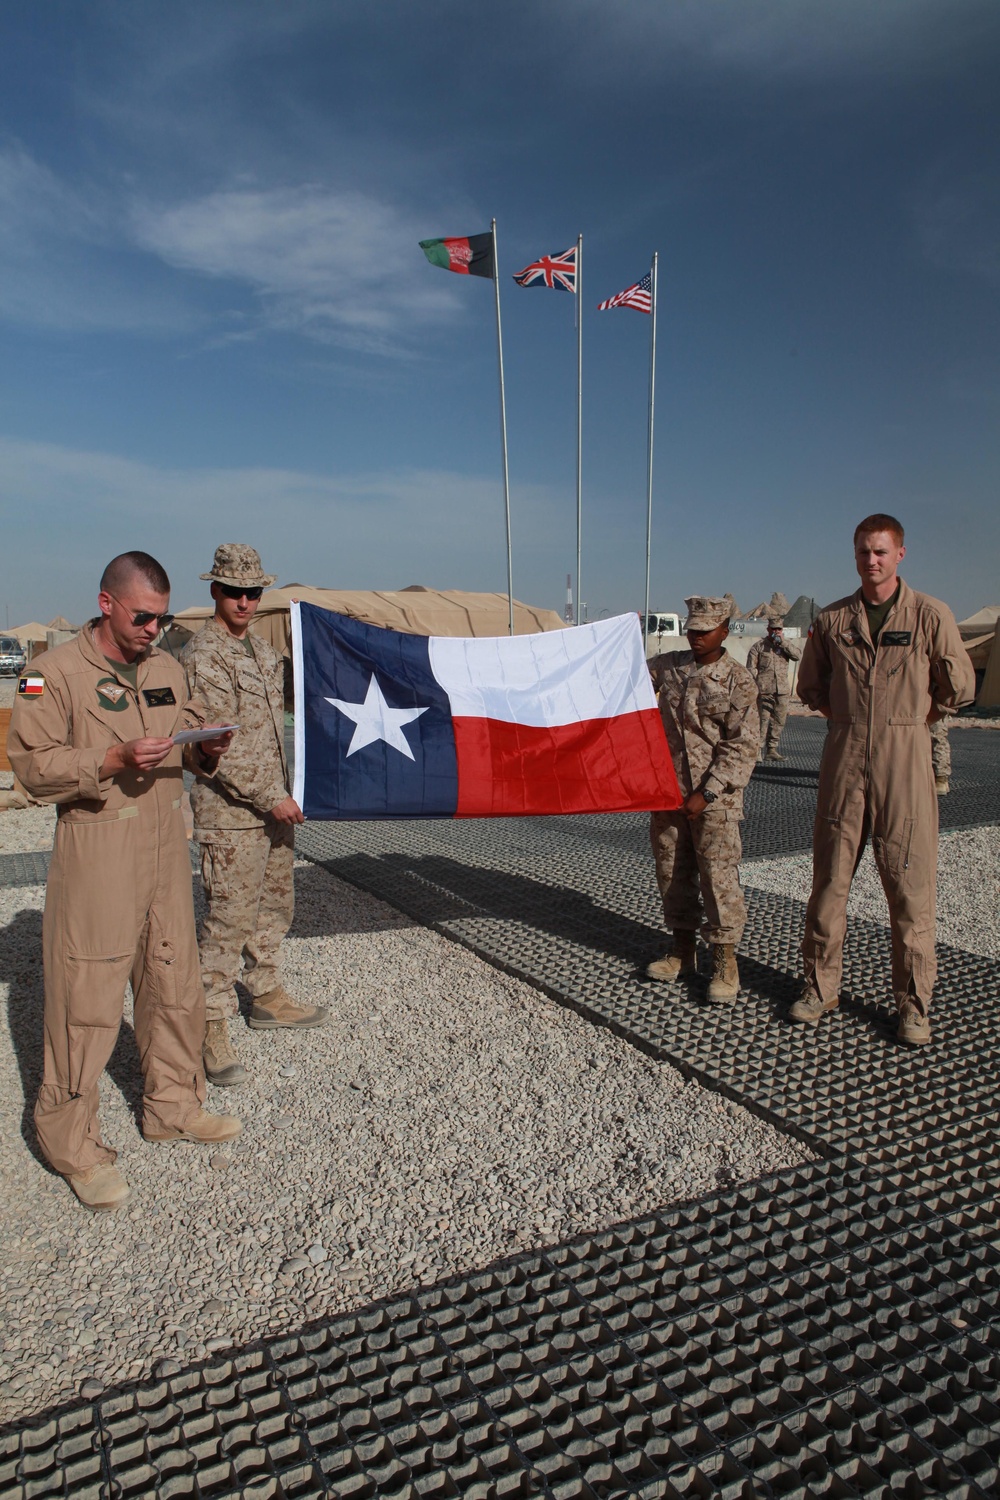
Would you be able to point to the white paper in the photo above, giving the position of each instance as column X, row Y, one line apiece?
column 210, row 732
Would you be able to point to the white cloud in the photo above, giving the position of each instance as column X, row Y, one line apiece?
column 340, row 266
column 371, row 530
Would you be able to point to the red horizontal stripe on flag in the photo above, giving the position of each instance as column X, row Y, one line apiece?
column 598, row 765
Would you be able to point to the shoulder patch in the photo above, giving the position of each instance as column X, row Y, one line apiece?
column 31, row 685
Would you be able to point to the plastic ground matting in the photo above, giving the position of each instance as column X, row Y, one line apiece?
column 832, row 1330
column 821, row 1332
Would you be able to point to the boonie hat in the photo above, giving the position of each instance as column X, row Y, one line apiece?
column 705, row 612
column 238, row 565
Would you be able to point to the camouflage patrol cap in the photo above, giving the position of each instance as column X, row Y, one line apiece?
column 775, row 619
column 706, row 612
column 239, row 566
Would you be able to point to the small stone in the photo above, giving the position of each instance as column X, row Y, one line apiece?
column 213, row 1344
column 284, row 1121
column 293, row 1264
column 213, row 1308
column 317, row 1254
column 288, row 1071
column 90, row 1389
column 165, row 1368
column 86, row 1337
column 219, row 1162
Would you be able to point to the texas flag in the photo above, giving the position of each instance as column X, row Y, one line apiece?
column 408, row 726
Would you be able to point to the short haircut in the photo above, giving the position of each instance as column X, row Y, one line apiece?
column 879, row 522
column 121, row 570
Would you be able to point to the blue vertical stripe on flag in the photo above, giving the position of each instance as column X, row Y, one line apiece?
column 340, row 657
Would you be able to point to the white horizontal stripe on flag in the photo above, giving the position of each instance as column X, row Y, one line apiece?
column 559, row 677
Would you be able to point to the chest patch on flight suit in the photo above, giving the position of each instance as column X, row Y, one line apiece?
column 111, row 695
column 895, row 638
column 159, row 697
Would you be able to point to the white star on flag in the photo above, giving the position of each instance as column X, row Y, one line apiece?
column 375, row 720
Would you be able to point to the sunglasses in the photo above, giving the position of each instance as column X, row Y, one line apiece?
column 231, row 591
column 141, row 617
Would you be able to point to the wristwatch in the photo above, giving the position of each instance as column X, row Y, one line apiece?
column 709, row 796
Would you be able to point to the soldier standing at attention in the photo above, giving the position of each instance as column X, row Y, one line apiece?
column 880, row 665
column 767, row 663
column 708, row 703
column 92, row 731
column 244, row 817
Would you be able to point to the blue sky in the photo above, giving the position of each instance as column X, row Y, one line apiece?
column 216, row 323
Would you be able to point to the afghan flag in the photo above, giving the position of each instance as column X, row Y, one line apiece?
column 405, row 726
column 471, row 256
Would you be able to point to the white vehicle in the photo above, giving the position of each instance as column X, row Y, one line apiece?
column 662, row 625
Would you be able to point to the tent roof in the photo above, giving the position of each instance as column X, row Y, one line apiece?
column 33, row 631
column 983, row 619
column 414, row 611
column 59, row 623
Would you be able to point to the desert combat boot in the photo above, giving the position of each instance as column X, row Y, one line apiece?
column 101, row 1188
column 810, row 1006
column 725, row 981
column 277, row 1008
column 680, row 963
column 204, row 1129
column 913, row 1029
column 222, row 1066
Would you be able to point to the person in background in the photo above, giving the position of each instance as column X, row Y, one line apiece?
column 767, row 663
column 941, row 757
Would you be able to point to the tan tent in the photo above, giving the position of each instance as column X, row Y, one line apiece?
column 981, row 623
column 61, row 623
column 30, row 632
column 415, row 611
column 989, row 693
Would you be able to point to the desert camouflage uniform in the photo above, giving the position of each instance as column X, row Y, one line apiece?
column 710, row 717
column 940, row 750
column 769, row 668
column 246, row 857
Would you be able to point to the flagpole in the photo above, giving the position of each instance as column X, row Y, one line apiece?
column 503, row 438
column 579, row 423
column 649, row 455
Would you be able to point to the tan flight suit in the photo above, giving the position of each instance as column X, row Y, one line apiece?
column 118, row 901
column 246, row 857
column 875, row 775
column 768, row 666
column 710, row 717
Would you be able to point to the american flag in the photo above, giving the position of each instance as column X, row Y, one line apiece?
column 555, row 271
column 639, row 296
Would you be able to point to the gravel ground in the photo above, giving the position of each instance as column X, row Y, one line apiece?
column 968, row 887
column 448, row 1115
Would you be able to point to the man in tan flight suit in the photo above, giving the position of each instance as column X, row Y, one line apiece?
column 880, row 665
column 767, row 663
column 244, row 817
column 708, row 703
column 91, row 731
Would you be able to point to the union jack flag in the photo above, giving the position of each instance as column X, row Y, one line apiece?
column 555, row 271
column 639, row 296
